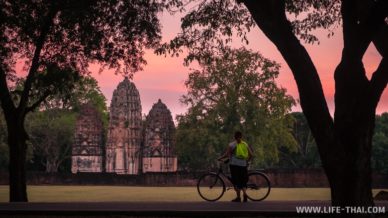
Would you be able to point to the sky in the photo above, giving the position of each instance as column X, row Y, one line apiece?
column 163, row 77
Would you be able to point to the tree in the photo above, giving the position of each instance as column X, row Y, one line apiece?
column 380, row 144
column 85, row 90
column 345, row 142
column 65, row 36
column 306, row 155
column 51, row 136
column 235, row 89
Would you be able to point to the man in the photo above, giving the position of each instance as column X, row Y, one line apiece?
column 239, row 154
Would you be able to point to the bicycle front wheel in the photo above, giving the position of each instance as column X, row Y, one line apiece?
column 258, row 186
column 210, row 187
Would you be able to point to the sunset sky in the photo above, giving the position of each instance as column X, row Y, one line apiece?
column 164, row 77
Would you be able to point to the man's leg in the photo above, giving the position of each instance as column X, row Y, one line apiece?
column 245, row 181
column 245, row 196
column 238, row 194
column 235, row 180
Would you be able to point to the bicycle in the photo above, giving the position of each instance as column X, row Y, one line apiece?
column 211, row 186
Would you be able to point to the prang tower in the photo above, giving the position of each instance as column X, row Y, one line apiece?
column 158, row 153
column 124, row 131
column 88, row 148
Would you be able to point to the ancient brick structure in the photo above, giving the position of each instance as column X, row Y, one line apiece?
column 88, row 150
column 131, row 148
column 157, row 152
column 124, row 131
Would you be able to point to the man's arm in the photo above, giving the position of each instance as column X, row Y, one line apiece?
column 250, row 153
column 227, row 153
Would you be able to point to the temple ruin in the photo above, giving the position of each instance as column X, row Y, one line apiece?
column 131, row 147
column 88, row 150
column 124, row 131
column 158, row 153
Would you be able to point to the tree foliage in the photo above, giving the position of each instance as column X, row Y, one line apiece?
column 235, row 89
column 53, row 87
column 211, row 24
column 81, row 90
column 72, row 33
column 380, row 144
column 51, row 137
column 306, row 155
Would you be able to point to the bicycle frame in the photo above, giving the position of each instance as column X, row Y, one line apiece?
column 220, row 173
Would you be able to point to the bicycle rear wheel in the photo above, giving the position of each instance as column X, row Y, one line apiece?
column 258, row 186
column 210, row 187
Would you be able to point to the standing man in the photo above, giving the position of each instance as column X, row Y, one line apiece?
column 239, row 154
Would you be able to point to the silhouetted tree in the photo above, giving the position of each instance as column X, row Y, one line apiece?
column 345, row 142
column 64, row 35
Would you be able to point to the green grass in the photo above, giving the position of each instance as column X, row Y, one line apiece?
column 142, row 194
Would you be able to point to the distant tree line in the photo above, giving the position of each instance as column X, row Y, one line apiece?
column 301, row 156
column 52, row 137
column 234, row 89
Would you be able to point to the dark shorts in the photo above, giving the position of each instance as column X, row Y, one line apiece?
column 239, row 176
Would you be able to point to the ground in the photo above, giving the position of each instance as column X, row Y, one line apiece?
column 154, row 194
column 128, row 202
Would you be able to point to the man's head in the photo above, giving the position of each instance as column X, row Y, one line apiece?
column 238, row 136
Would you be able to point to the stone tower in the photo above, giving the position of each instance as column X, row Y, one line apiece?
column 124, row 131
column 158, row 153
column 88, row 150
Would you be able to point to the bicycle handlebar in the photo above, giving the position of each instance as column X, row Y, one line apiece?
column 225, row 161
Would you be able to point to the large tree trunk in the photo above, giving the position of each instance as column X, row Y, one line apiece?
column 17, row 170
column 351, row 175
column 345, row 143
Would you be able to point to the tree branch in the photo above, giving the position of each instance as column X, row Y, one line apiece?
column 271, row 18
column 380, row 41
column 48, row 22
column 38, row 102
column 361, row 21
column 379, row 78
column 65, row 156
column 379, row 81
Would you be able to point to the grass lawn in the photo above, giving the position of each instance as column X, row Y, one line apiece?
column 164, row 194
